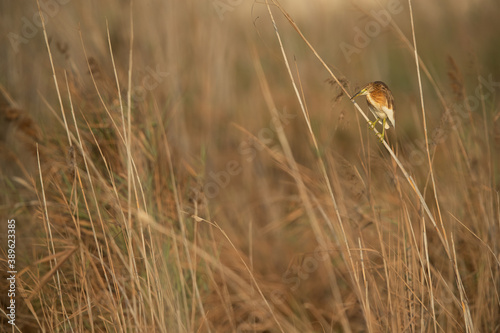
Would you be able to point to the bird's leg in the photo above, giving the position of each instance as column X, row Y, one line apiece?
column 383, row 130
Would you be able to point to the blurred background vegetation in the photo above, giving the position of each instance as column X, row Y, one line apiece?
column 194, row 220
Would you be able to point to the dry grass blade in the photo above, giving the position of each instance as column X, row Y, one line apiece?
column 63, row 257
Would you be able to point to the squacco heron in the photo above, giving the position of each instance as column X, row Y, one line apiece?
column 381, row 104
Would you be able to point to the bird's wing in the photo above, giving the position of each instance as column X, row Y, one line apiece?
column 390, row 114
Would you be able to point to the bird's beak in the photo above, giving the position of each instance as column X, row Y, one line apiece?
column 359, row 93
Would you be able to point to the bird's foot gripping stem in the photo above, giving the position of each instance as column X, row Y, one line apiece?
column 372, row 123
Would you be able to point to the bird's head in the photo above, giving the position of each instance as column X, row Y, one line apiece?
column 364, row 91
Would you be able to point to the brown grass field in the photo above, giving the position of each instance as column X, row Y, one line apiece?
column 197, row 166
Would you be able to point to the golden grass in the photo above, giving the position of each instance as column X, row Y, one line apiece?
column 193, row 174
